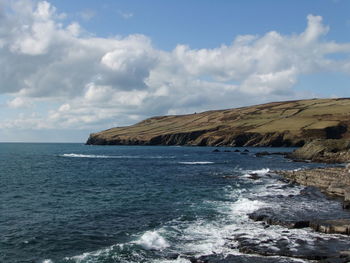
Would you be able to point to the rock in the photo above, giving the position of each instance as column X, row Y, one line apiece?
column 346, row 205
column 216, row 151
column 237, row 151
column 260, row 154
column 218, row 258
column 329, row 151
column 334, row 181
column 271, row 219
column 347, row 193
column 327, row 249
column 340, row 226
column 254, row 176
column 336, row 189
column 246, row 151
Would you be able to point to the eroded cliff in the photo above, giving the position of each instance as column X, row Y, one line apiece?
column 290, row 123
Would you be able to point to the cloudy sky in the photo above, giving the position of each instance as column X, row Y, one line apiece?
column 69, row 68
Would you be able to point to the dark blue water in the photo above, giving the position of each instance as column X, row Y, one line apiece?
column 77, row 203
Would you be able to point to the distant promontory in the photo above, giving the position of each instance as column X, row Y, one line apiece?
column 277, row 124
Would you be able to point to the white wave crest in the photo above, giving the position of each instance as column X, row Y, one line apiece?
column 260, row 172
column 77, row 155
column 244, row 206
column 263, row 171
column 193, row 163
column 178, row 260
column 151, row 240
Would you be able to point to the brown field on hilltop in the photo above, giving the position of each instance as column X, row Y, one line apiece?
column 290, row 123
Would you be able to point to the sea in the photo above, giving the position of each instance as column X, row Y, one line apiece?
column 74, row 203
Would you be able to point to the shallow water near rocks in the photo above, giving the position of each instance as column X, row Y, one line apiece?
column 75, row 203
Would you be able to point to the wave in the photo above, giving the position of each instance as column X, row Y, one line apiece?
column 204, row 236
column 245, row 206
column 193, row 163
column 94, row 156
column 75, row 155
column 152, row 240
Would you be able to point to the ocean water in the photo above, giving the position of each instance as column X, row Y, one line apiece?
column 68, row 203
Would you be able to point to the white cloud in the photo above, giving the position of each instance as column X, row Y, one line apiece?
column 19, row 102
column 87, row 14
column 125, row 15
column 101, row 82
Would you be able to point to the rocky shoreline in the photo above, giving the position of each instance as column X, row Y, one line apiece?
column 333, row 220
column 332, row 183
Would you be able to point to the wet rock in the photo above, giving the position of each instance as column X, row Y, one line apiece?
column 237, row 151
column 215, row 258
column 216, row 151
column 246, row 151
column 260, row 154
column 346, row 205
column 328, row 250
column 254, row 176
column 269, row 217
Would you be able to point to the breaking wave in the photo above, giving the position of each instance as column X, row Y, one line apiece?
column 194, row 163
column 96, row 156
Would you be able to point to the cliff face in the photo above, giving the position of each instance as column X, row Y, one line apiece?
column 324, row 151
column 291, row 123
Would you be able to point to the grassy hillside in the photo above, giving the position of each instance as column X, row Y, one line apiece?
column 273, row 124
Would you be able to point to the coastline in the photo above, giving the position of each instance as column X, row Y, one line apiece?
column 334, row 182
column 328, row 223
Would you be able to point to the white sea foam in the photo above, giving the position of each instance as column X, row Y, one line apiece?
column 244, row 206
column 87, row 256
column 77, row 155
column 260, row 172
column 152, row 240
column 193, row 163
column 178, row 260
column 47, row 261
column 205, row 237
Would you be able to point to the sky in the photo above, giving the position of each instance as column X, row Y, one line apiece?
column 71, row 68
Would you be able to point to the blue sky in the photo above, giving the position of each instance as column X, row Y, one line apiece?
column 206, row 23
column 69, row 68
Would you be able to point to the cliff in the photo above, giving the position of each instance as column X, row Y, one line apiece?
column 290, row 123
column 324, row 151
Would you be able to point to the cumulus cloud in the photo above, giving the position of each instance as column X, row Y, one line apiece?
column 100, row 82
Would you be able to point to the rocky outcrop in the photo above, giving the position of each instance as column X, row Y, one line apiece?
column 334, row 181
column 276, row 124
column 339, row 226
column 326, row 151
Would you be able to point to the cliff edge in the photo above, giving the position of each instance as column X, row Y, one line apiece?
column 289, row 123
